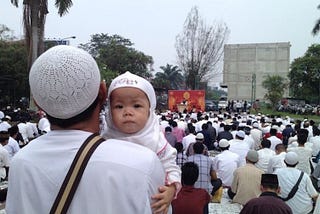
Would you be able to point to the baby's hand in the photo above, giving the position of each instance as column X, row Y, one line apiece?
column 163, row 199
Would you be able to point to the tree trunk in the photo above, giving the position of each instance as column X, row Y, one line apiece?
column 34, row 20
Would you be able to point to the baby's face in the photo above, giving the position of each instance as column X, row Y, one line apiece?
column 129, row 109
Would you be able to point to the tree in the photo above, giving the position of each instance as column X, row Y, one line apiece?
column 170, row 78
column 5, row 33
column 13, row 64
column 305, row 75
column 116, row 54
column 34, row 18
column 275, row 86
column 199, row 48
column 316, row 27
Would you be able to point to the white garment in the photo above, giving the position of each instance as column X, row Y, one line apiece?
column 224, row 164
column 182, row 125
column 4, row 161
column 274, row 141
column 256, row 134
column 304, row 155
column 163, row 125
column 239, row 147
column 23, row 129
column 292, row 142
column 12, row 147
column 44, row 125
column 187, row 140
column 301, row 203
column 32, row 130
column 265, row 129
column 199, row 124
column 249, row 140
column 265, row 155
column 116, row 174
column 315, row 145
column 276, row 161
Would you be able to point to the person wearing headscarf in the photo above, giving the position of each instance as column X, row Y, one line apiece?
column 131, row 116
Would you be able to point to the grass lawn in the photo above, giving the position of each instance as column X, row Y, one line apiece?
column 268, row 111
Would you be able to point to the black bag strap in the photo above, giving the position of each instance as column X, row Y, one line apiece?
column 294, row 188
column 73, row 177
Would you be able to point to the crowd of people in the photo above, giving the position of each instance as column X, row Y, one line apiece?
column 242, row 147
column 142, row 160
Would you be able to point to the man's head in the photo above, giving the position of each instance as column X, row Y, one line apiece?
column 265, row 143
column 240, row 135
column 252, row 156
column 168, row 129
column 191, row 128
column 280, row 148
column 198, row 148
column 270, row 183
column 189, row 173
column 302, row 136
column 199, row 137
column 13, row 131
column 255, row 125
column 65, row 83
column 291, row 159
column 273, row 131
column 4, row 137
column 224, row 144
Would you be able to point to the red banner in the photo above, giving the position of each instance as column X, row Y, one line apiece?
column 179, row 100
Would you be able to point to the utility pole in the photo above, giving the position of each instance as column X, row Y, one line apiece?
column 253, row 88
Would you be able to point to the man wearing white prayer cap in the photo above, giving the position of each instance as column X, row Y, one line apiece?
column 66, row 84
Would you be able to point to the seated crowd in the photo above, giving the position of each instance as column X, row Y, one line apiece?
column 258, row 160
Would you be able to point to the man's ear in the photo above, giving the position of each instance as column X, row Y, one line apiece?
column 261, row 188
column 102, row 96
column 278, row 190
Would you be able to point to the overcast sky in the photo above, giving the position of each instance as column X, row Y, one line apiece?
column 152, row 25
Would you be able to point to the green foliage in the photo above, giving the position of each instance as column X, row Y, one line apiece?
column 214, row 94
column 275, row 86
column 170, row 78
column 13, row 72
column 117, row 55
column 316, row 27
column 305, row 75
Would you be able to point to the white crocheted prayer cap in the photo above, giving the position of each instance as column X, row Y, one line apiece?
column 64, row 81
column 131, row 80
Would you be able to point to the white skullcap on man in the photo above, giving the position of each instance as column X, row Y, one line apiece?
column 131, row 80
column 64, row 81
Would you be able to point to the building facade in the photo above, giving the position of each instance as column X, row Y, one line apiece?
column 247, row 65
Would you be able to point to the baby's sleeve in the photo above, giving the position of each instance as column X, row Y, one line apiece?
column 167, row 155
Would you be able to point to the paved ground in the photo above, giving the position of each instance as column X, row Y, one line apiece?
column 225, row 207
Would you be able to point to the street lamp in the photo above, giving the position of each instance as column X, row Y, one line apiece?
column 70, row 37
column 65, row 41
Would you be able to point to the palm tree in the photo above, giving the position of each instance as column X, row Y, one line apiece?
column 34, row 18
column 170, row 78
column 316, row 27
